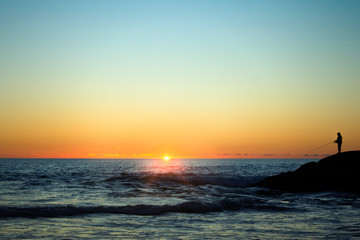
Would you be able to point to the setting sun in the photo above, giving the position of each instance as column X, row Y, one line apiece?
column 166, row 158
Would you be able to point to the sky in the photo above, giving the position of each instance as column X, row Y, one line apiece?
column 188, row 79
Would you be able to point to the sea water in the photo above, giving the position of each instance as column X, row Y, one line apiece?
column 157, row 199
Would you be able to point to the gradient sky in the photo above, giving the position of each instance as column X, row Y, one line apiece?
column 181, row 78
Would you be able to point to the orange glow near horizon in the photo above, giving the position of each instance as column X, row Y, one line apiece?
column 99, row 138
column 205, row 132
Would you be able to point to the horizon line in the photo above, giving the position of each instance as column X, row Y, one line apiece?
column 194, row 158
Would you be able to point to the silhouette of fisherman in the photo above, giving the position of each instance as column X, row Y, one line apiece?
column 339, row 141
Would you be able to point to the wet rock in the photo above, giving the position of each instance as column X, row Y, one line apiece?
column 339, row 172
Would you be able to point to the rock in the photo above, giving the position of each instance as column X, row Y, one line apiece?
column 339, row 172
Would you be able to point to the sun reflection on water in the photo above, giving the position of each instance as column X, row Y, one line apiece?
column 159, row 166
column 160, row 171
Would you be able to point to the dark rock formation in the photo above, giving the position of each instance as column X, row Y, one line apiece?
column 339, row 172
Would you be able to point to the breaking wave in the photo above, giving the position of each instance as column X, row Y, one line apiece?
column 141, row 209
column 187, row 179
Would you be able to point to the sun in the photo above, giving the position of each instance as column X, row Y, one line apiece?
column 166, row 158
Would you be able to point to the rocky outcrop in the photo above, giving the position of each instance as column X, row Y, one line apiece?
column 339, row 172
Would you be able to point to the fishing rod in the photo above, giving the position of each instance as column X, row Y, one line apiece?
column 321, row 147
column 314, row 149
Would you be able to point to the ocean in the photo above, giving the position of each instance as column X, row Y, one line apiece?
column 157, row 199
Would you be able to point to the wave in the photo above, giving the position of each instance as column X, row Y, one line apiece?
column 187, row 179
column 142, row 209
